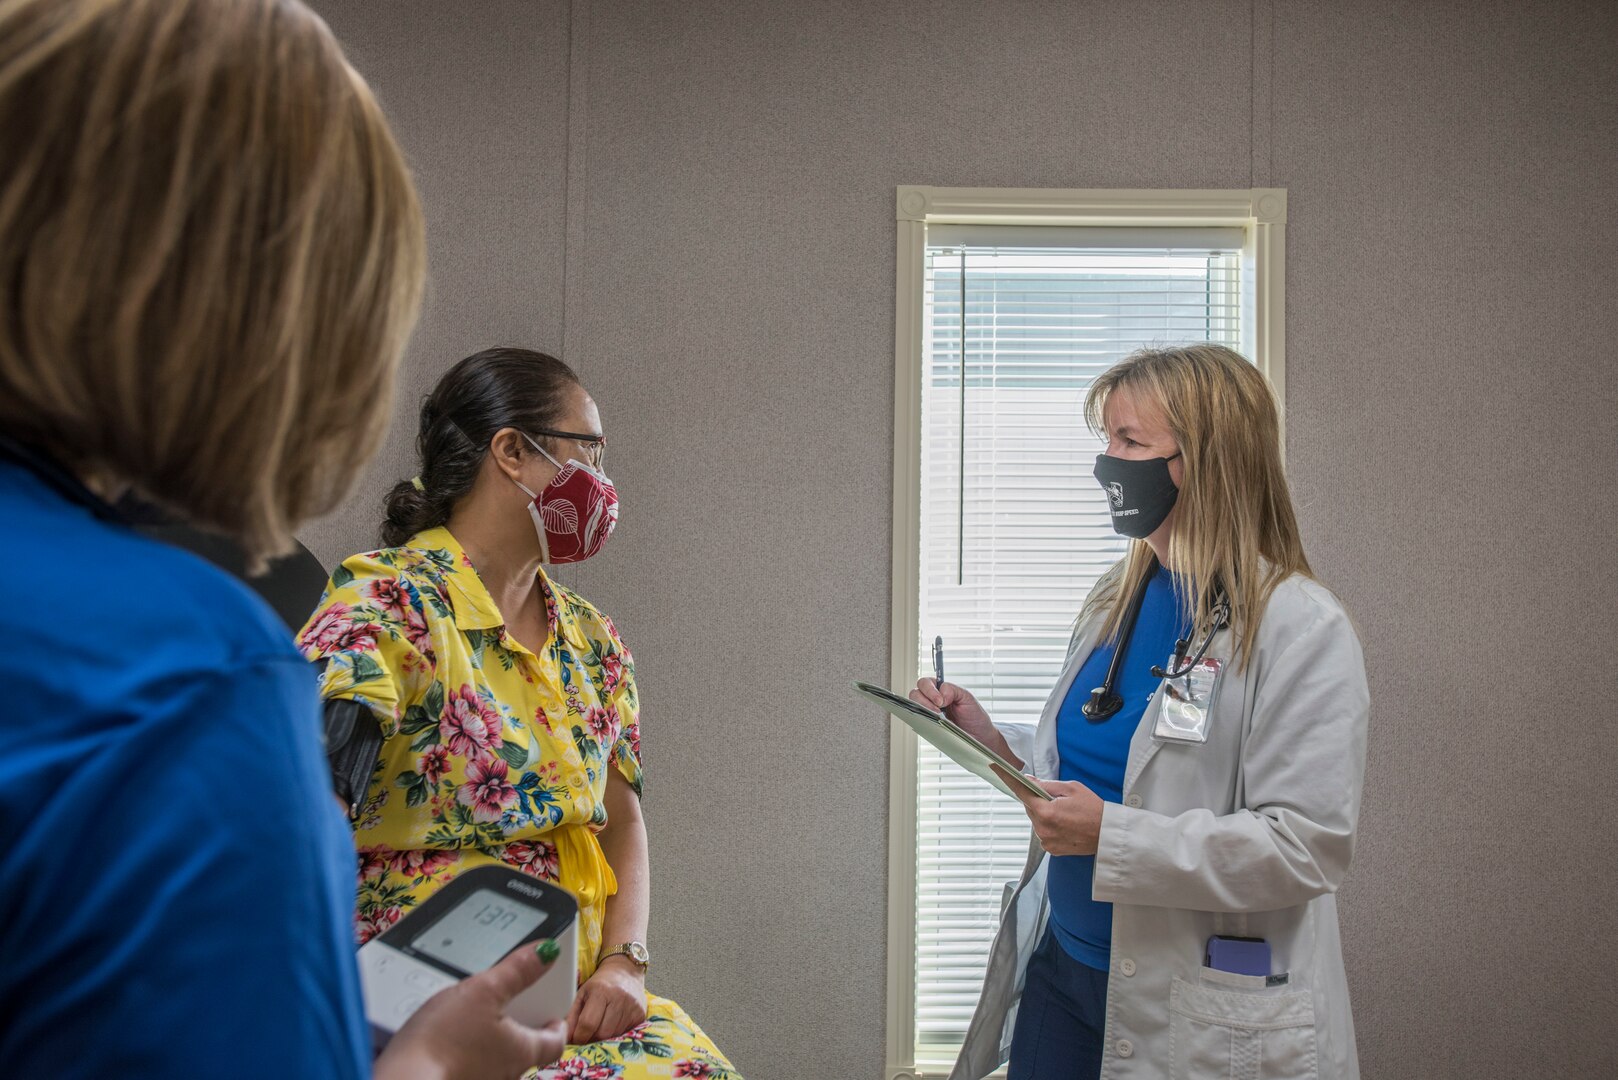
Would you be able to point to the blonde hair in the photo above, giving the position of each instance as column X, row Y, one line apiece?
column 211, row 255
column 1234, row 528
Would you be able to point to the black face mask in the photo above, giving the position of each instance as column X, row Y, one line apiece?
column 1140, row 494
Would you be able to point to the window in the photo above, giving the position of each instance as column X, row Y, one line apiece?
column 1009, row 305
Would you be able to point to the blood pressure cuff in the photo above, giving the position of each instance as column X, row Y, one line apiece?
column 353, row 740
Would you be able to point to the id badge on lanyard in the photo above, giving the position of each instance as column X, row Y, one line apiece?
column 1187, row 702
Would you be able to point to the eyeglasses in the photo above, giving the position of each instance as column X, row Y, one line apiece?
column 594, row 446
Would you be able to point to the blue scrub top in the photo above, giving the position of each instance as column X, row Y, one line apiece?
column 1095, row 754
column 176, row 881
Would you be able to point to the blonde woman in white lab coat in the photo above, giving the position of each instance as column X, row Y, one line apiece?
column 1232, row 790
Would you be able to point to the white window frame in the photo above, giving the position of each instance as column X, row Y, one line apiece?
column 1262, row 213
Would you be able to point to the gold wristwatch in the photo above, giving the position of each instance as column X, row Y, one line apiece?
column 636, row 951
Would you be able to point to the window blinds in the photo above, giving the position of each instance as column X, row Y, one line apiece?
column 1017, row 324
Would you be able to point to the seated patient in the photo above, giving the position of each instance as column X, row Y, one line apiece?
column 507, row 703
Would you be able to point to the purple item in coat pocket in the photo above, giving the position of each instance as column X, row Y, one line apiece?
column 1239, row 955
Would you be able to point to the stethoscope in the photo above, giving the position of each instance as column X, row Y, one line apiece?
column 1104, row 700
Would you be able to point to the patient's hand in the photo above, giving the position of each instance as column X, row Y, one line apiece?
column 610, row 1002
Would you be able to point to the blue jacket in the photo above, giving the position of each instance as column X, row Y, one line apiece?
column 176, row 881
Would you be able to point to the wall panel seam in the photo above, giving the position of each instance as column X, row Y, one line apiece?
column 575, row 201
column 1261, row 96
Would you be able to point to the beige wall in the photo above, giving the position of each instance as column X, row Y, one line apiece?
column 695, row 200
column 478, row 97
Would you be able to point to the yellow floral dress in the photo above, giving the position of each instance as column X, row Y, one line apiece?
column 490, row 754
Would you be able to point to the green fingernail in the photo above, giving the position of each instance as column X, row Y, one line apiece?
column 548, row 950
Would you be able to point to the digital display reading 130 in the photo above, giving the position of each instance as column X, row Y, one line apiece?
column 478, row 931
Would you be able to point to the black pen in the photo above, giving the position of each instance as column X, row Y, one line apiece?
column 938, row 662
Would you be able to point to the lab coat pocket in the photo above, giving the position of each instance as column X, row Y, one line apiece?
column 1243, row 1034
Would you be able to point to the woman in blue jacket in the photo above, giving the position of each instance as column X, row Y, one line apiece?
column 211, row 255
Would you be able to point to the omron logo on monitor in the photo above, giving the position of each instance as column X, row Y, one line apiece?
column 522, row 886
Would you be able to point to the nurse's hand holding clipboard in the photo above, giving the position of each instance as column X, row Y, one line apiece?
column 1070, row 823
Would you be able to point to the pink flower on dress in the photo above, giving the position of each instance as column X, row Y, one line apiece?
column 602, row 724
column 375, row 921
column 422, row 863
column 418, row 633
column 434, row 764
column 469, row 725
column 580, row 1069
column 359, row 637
column 486, row 791
column 535, row 857
column 632, row 734
column 374, row 862
column 636, row 1034
column 389, row 593
column 693, row 1067
column 333, row 631
column 612, row 673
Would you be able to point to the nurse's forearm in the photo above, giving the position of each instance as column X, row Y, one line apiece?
column 1016, row 744
column 1245, row 861
column 624, row 843
column 1302, row 767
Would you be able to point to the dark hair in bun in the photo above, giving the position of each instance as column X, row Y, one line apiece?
column 490, row 390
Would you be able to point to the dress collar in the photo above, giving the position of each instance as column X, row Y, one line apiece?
column 474, row 608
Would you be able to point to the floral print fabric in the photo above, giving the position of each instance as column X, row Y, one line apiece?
column 491, row 754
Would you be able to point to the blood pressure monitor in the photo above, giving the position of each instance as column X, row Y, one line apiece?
column 464, row 928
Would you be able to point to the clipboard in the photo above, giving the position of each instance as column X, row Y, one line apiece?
column 952, row 740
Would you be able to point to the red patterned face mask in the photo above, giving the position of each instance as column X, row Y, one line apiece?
column 575, row 513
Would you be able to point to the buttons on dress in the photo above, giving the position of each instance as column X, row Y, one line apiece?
column 576, row 780
column 1125, row 1048
column 1133, row 801
column 1127, row 967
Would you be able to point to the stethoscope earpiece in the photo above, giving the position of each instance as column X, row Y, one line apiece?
column 1179, row 651
column 1221, row 619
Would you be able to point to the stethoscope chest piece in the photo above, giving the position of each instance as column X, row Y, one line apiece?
column 1105, row 701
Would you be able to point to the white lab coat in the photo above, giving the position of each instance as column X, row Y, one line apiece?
column 1248, row 834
